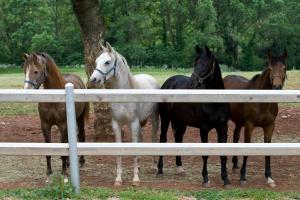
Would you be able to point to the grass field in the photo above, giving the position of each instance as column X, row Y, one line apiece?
column 13, row 78
column 145, row 194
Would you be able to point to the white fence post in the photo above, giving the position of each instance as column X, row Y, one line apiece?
column 72, row 137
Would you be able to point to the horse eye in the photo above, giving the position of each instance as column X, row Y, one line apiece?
column 107, row 63
column 35, row 72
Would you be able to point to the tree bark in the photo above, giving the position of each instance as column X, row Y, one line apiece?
column 92, row 27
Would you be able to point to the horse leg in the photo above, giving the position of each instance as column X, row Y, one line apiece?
column 236, row 138
column 204, row 139
column 268, row 132
column 46, row 128
column 155, row 125
column 118, row 138
column 165, row 121
column 135, row 130
column 64, row 139
column 81, row 135
column 247, row 139
column 179, row 132
column 222, row 138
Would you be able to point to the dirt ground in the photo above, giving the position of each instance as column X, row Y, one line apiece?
column 30, row 172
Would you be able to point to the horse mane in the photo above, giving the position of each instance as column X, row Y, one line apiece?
column 52, row 68
column 255, row 77
column 124, row 68
column 217, row 76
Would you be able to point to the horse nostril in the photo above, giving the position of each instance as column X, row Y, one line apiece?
column 277, row 87
column 93, row 79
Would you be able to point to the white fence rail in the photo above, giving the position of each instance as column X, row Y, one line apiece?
column 212, row 96
column 149, row 149
column 151, row 95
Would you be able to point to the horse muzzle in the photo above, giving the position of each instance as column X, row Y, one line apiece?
column 276, row 87
column 95, row 80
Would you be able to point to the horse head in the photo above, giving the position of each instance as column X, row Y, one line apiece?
column 35, row 69
column 105, row 65
column 204, row 67
column 277, row 68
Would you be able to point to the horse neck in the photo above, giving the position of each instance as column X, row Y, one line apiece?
column 123, row 78
column 54, row 79
column 216, row 80
column 262, row 82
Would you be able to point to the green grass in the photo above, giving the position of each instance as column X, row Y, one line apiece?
column 62, row 191
column 13, row 78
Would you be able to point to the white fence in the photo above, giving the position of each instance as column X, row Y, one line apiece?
column 74, row 149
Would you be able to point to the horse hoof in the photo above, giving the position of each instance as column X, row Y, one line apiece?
column 235, row 170
column 48, row 179
column 243, row 182
column 153, row 167
column 180, row 170
column 206, row 184
column 160, row 175
column 272, row 185
column 81, row 162
column 227, row 186
column 271, row 182
column 135, row 183
column 81, row 165
column 66, row 180
column 118, row 183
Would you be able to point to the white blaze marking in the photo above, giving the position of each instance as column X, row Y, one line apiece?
column 26, row 85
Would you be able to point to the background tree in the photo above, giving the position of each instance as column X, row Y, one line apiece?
column 154, row 33
column 92, row 28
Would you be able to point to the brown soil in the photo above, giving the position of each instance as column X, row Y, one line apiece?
column 29, row 172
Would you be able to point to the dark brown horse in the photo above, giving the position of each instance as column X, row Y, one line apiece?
column 40, row 68
column 251, row 115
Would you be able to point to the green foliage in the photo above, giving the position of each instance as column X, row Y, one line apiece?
column 157, row 33
column 144, row 194
column 57, row 190
column 238, row 194
column 37, row 25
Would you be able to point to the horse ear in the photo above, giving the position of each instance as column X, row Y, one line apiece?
column 43, row 57
column 198, row 49
column 269, row 55
column 25, row 56
column 101, row 46
column 108, row 46
column 208, row 52
column 285, row 54
column 35, row 56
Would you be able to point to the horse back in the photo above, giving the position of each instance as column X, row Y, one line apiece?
column 191, row 114
column 235, row 82
column 258, row 113
column 176, row 82
column 145, row 81
column 75, row 80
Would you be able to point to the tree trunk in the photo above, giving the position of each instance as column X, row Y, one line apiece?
column 91, row 23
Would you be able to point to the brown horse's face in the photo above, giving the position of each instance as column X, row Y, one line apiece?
column 277, row 69
column 35, row 71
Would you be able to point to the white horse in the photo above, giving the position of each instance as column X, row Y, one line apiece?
column 111, row 65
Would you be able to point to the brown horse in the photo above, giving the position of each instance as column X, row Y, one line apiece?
column 40, row 68
column 253, row 115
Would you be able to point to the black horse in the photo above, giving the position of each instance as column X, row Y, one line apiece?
column 205, row 116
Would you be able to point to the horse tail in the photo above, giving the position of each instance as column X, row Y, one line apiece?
column 86, row 111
